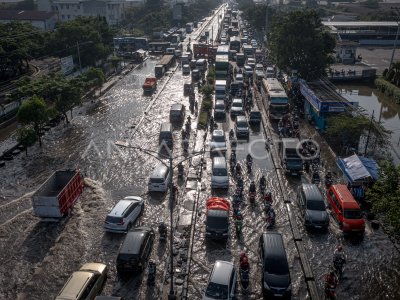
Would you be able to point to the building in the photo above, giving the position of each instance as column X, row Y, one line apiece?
column 112, row 10
column 40, row 19
column 322, row 100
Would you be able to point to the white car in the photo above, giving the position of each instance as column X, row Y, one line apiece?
column 222, row 281
column 124, row 214
column 218, row 142
column 248, row 70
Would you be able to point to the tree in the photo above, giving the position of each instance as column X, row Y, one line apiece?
column 384, row 195
column 27, row 137
column 298, row 41
column 33, row 112
column 207, row 91
column 95, row 77
column 69, row 97
column 115, row 62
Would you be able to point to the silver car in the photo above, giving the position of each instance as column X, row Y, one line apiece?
column 218, row 142
column 124, row 214
column 222, row 281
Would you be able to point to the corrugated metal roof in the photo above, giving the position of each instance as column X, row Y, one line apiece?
column 359, row 24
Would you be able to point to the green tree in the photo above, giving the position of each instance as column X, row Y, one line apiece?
column 68, row 98
column 27, row 137
column 207, row 91
column 33, row 112
column 384, row 195
column 298, row 41
column 95, row 78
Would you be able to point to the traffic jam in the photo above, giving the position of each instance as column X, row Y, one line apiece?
column 229, row 201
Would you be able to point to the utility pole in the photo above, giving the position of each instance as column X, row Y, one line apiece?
column 369, row 132
column 79, row 57
column 397, row 35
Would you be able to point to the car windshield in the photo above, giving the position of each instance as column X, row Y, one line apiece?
column 218, row 138
column 237, row 104
column 352, row 214
column 276, row 266
column 113, row 220
column 217, row 291
column 218, row 223
column 242, row 124
column 315, row 205
column 220, row 172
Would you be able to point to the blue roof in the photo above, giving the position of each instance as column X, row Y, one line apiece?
column 358, row 169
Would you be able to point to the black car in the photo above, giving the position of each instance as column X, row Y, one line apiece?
column 177, row 112
column 255, row 117
column 135, row 250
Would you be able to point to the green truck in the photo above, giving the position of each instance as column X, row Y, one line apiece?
column 222, row 66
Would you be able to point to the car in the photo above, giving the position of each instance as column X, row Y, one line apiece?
column 159, row 179
column 219, row 109
column 237, row 107
column 220, row 173
column 86, row 283
column 259, row 67
column 218, row 141
column 312, row 206
column 248, row 70
column 239, row 78
column 186, row 69
column 255, row 117
column 251, row 62
column 177, row 112
column 135, row 250
column 124, row 214
column 241, row 127
column 222, row 281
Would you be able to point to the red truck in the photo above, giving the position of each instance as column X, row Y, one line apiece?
column 56, row 197
column 202, row 50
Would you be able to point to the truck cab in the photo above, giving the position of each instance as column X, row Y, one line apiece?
column 291, row 160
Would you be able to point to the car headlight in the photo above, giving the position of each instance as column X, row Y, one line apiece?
column 266, row 286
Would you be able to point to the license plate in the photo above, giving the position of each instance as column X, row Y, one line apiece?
column 318, row 226
column 294, row 174
column 277, row 295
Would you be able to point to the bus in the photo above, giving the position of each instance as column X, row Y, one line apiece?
column 234, row 43
column 223, row 50
column 275, row 98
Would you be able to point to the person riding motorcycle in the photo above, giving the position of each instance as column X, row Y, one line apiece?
column 249, row 158
column 252, row 188
column 180, row 169
column 328, row 179
column 268, row 198
column 263, row 181
column 162, row 229
column 339, row 259
column 231, row 134
column 330, row 282
column 244, row 263
column 271, row 215
column 238, row 221
column 238, row 169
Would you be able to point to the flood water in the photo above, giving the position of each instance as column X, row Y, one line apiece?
column 383, row 107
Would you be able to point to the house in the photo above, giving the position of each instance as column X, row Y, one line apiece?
column 41, row 19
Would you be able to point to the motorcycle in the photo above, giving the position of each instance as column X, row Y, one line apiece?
column 252, row 197
column 231, row 134
column 270, row 222
column 338, row 265
column 330, row 291
column 162, row 231
column 249, row 164
column 238, row 226
column 262, row 187
column 244, row 279
column 316, row 179
column 233, row 158
column 180, row 171
column 151, row 277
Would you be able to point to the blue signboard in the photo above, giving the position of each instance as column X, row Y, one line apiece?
column 309, row 95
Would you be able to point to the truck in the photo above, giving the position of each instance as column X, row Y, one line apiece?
column 291, row 161
column 222, row 66
column 163, row 65
column 220, row 89
column 217, row 218
column 200, row 50
column 57, row 195
column 189, row 27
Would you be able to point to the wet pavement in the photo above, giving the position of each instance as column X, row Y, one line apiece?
column 36, row 258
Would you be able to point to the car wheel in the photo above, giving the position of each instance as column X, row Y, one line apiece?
column 129, row 226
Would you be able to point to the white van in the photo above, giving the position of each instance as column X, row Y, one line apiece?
column 219, row 176
column 159, row 179
column 201, row 64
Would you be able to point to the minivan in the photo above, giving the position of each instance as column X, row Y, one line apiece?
column 275, row 268
column 312, row 206
column 242, row 127
column 166, row 134
column 159, row 179
column 222, row 281
column 177, row 112
column 345, row 209
column 135, row 250
column 219, row 109
column 219, row 176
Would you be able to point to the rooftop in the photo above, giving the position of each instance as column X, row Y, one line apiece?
column 360, row 24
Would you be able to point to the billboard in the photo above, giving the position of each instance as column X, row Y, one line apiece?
column 67, row 65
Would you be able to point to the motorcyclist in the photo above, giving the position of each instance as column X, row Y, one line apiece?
column 162, row 229
column 339, row 259
column 268, row 198
column 180, row 169
column 271, row 215
column 231, row 134
column 330, row 281
column 263, row 181
column 238, row 168
column 238, row 221
column 244, row 262
column 249, row 158
column 189, row 119
column 252, row 188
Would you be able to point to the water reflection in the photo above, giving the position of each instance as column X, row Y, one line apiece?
column 384, row 108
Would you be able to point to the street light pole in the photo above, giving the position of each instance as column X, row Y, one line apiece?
column 171, row 295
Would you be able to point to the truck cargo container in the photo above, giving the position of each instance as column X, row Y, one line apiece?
column 291, row 161
column 56, row 197
column 222, row 66
column 163, row 65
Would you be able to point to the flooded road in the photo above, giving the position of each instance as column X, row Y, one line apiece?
column 36, row 258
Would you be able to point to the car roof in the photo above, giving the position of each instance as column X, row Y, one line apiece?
column 75, row 285
column 241, row 118
column 312, row 192
column 134, row 240
column 219, row 161
column 220, row 101
column 218, row 132
column 159, row 171
column 94, row 267
column 237, row 100
column 166, row 126
column 273, row 245
column 176, row 106
column 221, row 272
column 121, row 206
